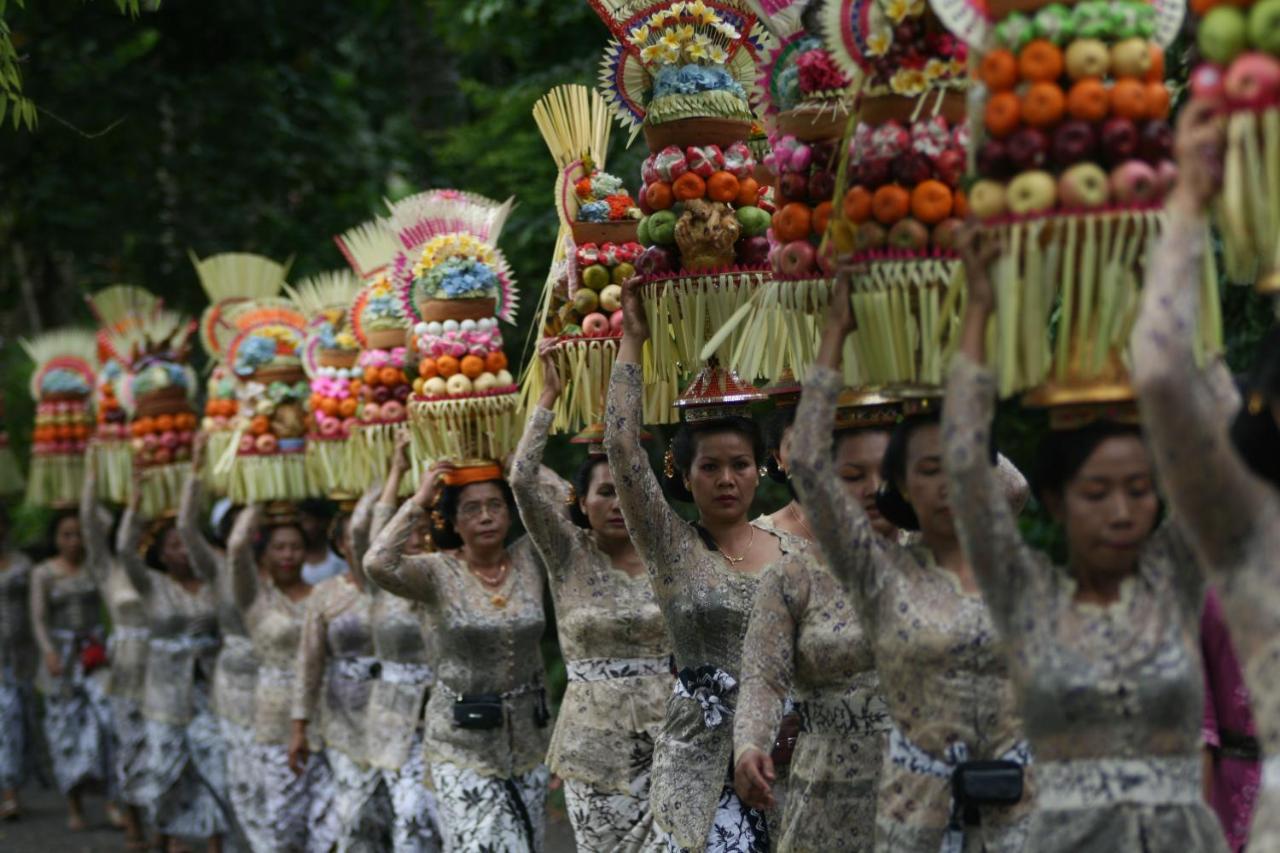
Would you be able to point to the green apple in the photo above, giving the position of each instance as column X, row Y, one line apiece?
column 753, row 220
column 643, row 237
column 622, row 272
column 585, row 301
column 1264, row 26
column 1221, row 36
column 595, row 277
column 611, row 298
column 662, row 227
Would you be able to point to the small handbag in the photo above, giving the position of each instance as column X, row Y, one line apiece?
column 984, row 783
column 93, row 655
column 479, row 711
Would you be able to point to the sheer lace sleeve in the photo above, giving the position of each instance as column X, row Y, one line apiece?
column 360, row 523
column 95, row 524
column 39, row 593
column 850, row 545
column 387, row 565
column 241, row 560
column 1220, row 502
column 662, row 538
column 544, row 517
column 768, row 657
column 1005, row 567
column 128, row 546
column 204, row 557
column 310, row 660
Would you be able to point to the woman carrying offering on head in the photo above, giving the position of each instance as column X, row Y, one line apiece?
column 17, row 668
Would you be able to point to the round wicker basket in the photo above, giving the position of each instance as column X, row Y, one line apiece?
column 439, row 310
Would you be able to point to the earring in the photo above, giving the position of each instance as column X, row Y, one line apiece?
column 669, row 465
column 571, row 498
column 762, row 471
column 437, row 519
column 1255, row 403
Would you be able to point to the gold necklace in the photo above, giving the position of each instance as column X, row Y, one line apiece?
column 497, row 599
column 800, row 519
column 733, row 561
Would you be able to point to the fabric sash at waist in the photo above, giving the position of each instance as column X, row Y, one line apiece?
column 607, row 669
column 396, row 672
column 355, row 668
column 1096, row 783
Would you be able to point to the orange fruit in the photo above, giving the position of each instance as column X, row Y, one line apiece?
column 688, row 187
column 1002, row 114
column 447, row 365
column 857, row 204
column 960, row 204
column 163, row 423
column 427, row 368
column 1129, row 98
column 748, row 192
column 658, row 195
column 999, row 70
column 259, row 425
column 471, row 366
column 371, row 376
column 931, row 202
column 1156, row 71
column 391, row 375
column 1088, row 100
column 792, row 222
column 821, row 216
column 1157, row 94
column 890, row 204
column 1040, row 61
column 347, row 408
column 329, row 406
column 495, row 361
column 1043, row 105
column 723, row 186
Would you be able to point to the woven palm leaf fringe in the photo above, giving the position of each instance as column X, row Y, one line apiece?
column 217, row 480
column 780, row 329
column 685, row 313
column 908, row 315
column 55, row 481
column 586, row 365
column 269, row 477
column 112, row 469
column 373, row 446
column 162, row 488
column 335, row 466
column 467, row 429
column 11, row 480
column 1249, row 208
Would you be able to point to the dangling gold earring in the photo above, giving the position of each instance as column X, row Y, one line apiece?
column 571, row 498
column 669, row 465
column 437, row 519
column 1255, row 403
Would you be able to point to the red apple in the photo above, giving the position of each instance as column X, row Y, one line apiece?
column 993, row 159
column 950, row 165
column 615, row 322
column 911, row 168
column 908, row 234
column 944, row 233
column 753, row 251
column 793, row 186
column 595, row 325
column 1134, row 182
column 1206, row 82
column 875, row 172
column 871, row 235
column 1119, row 140
column 1167, row 175
column 1155, row 141
column 822, row 186
column 796, row 258
column 1253, row 80
column 655, row 260
column 1028, row 149
column 1073, row 142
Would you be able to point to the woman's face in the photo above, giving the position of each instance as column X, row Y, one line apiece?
column 67, row 541
column 724, row 476
column 285, row 554
column 1109, row 508
column 926, row 486
column 173, row 553
column 857, row 460
column 600, row 505
column 483, row 518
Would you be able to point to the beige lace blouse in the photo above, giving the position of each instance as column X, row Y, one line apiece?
column 943, row 670
column 65, row 608
column 612, row 636
column 486, row 643
column 1228, row 512
column 705, row 605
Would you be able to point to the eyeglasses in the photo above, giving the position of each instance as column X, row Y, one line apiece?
column 493, row 507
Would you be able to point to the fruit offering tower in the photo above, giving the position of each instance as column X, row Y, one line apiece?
column 1239, row 43
column 268, row 459
column 808, row 100
column 158, row 390
column 899, row 197
column 228, row 279
column 1072, row 163
column 680, row 71
column 329, row 355
column 581, row 310
column 380, row 321
column 62, row 386
column 457, row 286
column 11, row 480
column 118, row 310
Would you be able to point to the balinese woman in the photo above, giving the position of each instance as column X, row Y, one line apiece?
column 186, row 757
column 943, row 671
column 273, row 608
column 17, row 667
column 486, row 720
column 399, row 696
column 705, row 577
column 66, row 619
column 1220, row 467
column 236, row 670
column 1104, row 653
column 334, row 675
column 125, row 680
column 612, row 636
column 805, row 637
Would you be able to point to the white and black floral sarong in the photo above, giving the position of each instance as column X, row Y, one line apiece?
column 483, row 813
column 17, row 711
column 284, row 804
column 187, row 772
column 78, row 724
column 609, row 821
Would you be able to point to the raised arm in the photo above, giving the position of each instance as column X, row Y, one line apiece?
column 387, row 565
column 310, row 660
column 205, row 559
column 95, row 524
column 768, row 668
column 359, row 524
column 241, row 560
column 128, row 547
column 1215, row 497
column 543, row 517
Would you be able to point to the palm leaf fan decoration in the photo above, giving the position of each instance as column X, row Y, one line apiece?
column 229, row 278
column 71, row 349
column 324, row 292
column 369, row 247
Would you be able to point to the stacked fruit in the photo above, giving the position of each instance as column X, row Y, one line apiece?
column 591, row 304
column 162, row 439
column 385, row 388
column 62, row 427
column 905, row 193
column 112, row 419
column 806, row 183
column 701, row 213
column 460, row 358
column 220, row 405
column 1072, row 93
column 335, row 395
column 1240, row 43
